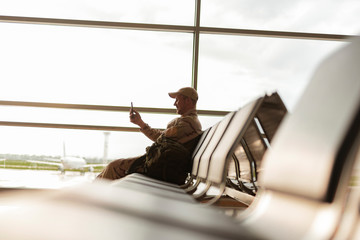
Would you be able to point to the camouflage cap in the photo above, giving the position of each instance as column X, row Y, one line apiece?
column 186, row 91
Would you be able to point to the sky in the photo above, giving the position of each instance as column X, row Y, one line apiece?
column 115, row 67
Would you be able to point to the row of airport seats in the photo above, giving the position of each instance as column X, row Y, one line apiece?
column 245, row 165
column 302, row 192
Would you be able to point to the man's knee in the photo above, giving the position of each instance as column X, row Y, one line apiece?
column 117, row 168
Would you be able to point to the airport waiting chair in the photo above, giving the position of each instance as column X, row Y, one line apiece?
column 211, row 172
column 246, row 159
column 308, row 169
column 250, row 112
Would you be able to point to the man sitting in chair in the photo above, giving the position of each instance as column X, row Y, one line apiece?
column 169, row 158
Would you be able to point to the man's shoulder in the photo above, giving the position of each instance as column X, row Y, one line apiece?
column 190, row 119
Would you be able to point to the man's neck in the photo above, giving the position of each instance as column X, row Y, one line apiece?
column 188, row 111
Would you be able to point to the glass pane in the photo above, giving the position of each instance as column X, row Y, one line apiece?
column 322, row 16
column 180, row 12
column 93, row 66
column 234, row 70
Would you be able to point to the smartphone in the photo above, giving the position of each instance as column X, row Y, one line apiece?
column 132, row 108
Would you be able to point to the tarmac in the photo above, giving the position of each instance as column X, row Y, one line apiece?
column 42, row 179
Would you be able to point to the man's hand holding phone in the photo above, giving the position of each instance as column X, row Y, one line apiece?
column 135, row 117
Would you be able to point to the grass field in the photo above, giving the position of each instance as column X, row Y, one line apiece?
column 22, row 164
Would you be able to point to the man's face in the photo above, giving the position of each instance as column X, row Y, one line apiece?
column 180, row 104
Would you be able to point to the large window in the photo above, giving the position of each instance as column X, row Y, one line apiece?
column 113, row 52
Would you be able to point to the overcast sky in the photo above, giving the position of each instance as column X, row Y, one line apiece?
column 115, row 67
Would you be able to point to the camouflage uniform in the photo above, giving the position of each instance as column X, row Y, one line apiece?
column 181, row 129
